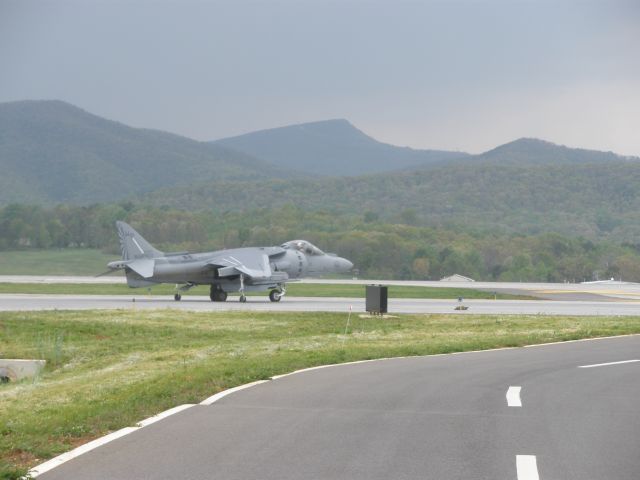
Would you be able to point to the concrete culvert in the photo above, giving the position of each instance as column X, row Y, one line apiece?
column 4, row 375
column 12, row 370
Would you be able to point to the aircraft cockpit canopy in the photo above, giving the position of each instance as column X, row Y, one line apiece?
column 303, row 246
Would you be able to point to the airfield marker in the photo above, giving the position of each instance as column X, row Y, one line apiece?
column 347, row 326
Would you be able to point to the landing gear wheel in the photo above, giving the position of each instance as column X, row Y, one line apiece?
column 243, row 298
column 274, row 296
column 217, row 294
column 177, row 297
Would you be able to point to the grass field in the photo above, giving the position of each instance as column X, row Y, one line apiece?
column 67, row 261
column 293, row 289
column 109, row 369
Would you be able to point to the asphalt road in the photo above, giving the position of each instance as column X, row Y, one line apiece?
column 11, row 302
column 441, row 417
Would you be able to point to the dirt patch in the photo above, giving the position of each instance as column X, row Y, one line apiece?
column 21, row 458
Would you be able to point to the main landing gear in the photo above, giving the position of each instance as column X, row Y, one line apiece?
column 217, row 294
column 276, row 294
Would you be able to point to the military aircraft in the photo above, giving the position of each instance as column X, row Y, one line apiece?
column 234, row 270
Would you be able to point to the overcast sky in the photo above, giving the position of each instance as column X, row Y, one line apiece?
column 463, row 75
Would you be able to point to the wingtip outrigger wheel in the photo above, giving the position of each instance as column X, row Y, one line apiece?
column 177, row 297
column 243, row 297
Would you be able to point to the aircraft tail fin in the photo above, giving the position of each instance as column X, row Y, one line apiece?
column 133, row 245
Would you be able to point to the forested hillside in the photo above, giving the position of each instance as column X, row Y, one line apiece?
column 593, row 200
column 51, row 151
column 332, row 148
column 378, row 250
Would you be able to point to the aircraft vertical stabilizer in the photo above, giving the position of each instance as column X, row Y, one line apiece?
column 133, row 245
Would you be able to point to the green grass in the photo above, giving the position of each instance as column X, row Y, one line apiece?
column 109, row 369
column 67, row 261
column 293, row 289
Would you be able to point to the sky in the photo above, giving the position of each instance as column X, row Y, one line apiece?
column 455, row 75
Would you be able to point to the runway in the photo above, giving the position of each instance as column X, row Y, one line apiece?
column 600, row 291
column 22, row 302
column 524, row 413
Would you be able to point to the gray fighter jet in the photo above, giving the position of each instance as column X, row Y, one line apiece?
column 235, row 270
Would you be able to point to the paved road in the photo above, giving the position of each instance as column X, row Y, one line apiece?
column 10, row 302
column 443, row 417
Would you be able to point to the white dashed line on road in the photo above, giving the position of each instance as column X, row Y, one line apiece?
column 527, row 467
column 513, row 397
column 607, row 364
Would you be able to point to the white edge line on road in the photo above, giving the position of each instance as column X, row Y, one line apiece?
column 214, row 398
column 320, row 367
column 65, row 457
column 562, row 342
column 165, row 414
column 513, row 397
column 98, row 442
column 606, row 364
column 527, row 467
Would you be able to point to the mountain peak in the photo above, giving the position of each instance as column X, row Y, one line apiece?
column 533, row 150
column 330, row 147
column 331, row 128
column 524, row 144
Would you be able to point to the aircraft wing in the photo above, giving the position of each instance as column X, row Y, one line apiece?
column 252, row 263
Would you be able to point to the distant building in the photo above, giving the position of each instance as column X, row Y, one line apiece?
column 457, row 278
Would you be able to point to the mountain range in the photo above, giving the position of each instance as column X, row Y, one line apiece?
column 52, row 152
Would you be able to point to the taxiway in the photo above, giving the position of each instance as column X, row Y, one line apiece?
column 22, row 302
column 444, row 417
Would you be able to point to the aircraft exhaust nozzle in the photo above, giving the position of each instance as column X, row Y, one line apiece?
column 117, row 265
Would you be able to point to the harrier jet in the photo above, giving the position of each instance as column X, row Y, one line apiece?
column 235, row 270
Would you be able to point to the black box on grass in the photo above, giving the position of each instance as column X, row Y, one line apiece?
column 376, row 301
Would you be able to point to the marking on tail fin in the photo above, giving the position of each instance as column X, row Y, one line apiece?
column 137, row 244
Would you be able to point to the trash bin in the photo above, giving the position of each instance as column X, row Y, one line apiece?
column 376, row 299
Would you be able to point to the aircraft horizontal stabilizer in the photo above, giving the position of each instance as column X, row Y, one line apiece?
column 143, row 267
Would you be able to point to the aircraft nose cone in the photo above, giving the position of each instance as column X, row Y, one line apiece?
column 345, row 265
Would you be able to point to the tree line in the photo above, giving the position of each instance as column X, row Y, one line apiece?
column 378, row 248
